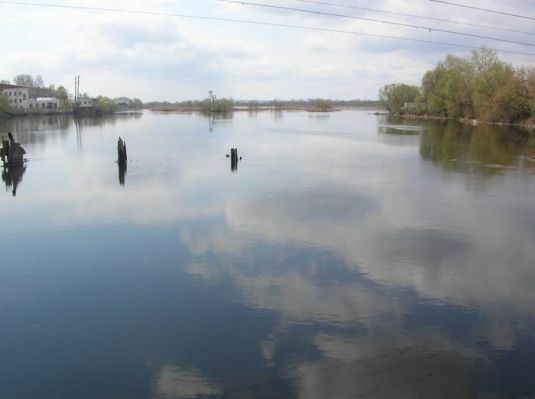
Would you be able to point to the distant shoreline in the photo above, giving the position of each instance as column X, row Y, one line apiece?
column 191, row 109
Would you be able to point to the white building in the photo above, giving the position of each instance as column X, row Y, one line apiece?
column 22, row 98
column 18, row 96
column 44, row 103
column 86, row 102
column 123, row 102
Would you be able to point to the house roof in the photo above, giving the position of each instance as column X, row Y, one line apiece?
column 10, row 86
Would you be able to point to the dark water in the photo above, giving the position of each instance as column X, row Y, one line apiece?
column 348, row 256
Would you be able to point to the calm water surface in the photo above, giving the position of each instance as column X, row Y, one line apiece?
column 349, row 256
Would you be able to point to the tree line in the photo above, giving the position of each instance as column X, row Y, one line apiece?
column 480, row 86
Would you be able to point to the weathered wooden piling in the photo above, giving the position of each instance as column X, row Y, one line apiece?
column 12, row 153
column 233, row 159
column 121, row 151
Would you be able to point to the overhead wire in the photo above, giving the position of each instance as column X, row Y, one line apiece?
column 405, row 25
column 509, row 14
column 252, row 22
column 426, row 17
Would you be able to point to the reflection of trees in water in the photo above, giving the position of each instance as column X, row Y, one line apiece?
column 320, row 116
column 403, row 131
column 27, row 129
column 483, row 149
column 218, row 117
column 12, row 176
column 277, row 115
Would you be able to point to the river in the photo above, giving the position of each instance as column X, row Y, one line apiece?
column 349, row 256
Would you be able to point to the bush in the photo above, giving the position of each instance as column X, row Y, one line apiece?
column 105, row 105
column 395, row 96
column 5, row 109
column 219, row 105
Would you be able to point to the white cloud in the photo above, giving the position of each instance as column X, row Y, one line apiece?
column 180, row 383
column 159, row 57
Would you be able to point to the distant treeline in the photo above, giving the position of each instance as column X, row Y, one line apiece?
column 477, row 87
column 227, row 104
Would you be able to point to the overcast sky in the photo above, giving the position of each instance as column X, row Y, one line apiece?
column 170, row 58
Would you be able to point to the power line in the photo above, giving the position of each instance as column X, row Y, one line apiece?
column 483, row 9
column 253, row 22
column 405, row 25
column 402, row 14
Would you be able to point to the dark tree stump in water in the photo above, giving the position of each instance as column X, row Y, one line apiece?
column 12, row 153
column 233, row 159
column 121, row 151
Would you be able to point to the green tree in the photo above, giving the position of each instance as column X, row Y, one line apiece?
column 394, row 96
column 217, row 105
column 527, row 76
column 446, row 90
column 24, row 80
column 510, row 101
column 4, row 105
column 5, row 81
column 137, row 103
column 480, row 86
column 490, row 75
column 105, row 105
column 38, row 81
column 62, row 93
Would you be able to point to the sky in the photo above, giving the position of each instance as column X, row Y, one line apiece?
column 158, row 57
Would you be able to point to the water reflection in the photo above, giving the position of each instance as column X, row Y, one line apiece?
column 122, row 167
column 218, row 118
column 175, row 382
column 12, row 176
column 38, row 129
column 482, row 149
column 368, row 273
column 278, row 115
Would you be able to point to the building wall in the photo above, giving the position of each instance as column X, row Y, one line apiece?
column 33, row 99
column 44, row 104
column 18, row 97
column 86, row 102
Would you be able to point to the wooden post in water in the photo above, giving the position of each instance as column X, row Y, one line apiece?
column 121, row 151
column 12, row 153
column 233, row 159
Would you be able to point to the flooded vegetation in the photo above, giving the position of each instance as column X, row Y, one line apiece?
column 348, row 256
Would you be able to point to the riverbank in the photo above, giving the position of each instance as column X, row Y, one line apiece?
column 529, row 124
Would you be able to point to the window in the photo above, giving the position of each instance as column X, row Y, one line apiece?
column 24, row 96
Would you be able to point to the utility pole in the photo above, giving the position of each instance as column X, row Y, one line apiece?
column 76, row 88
